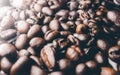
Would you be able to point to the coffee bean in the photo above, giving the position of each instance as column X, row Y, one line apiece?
column 36, row 70
column 92, row 65
column 112, row 15
column 107, row 71
column 81, row 28
column 32, row 51
column 38, row 7
column 33, row 31
column 6, row 64
column 8, row 34
column 54, row 25
column 48, row 56
column 47, row 20
column 47, row 11
column 22, row 26
column 21, row 41
column 114, row 53
column 36, row 60
column 23, row 52
column 81, row 69
column 118, row 42
column 72, row 5
column 100, row 58
column 64, row 64
column 7, row 49
column 23, row 15
column 36, row 42
column 57, row 73
column 117, row 2
column 19, row 66
column 65, row 33
column 73, row 15
column 50, row 35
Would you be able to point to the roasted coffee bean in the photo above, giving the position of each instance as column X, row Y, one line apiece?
column 114, row 53
column 33, row 31
column 84, row 4
column 65, row 26
column 81, row 69
column 47, row 20
column 36, row 42
column 22, row 26
column 23, row 52
column 64, row 64
column 117, row 2
column 92, row 65
column 38, row 7
column 6, row 64
column 42, row 2
column 48, row 56
column 15, row 14
column 7, row 49
column 81, row 28
column 36, row 70
column 47, row 11
column 21, row 41
column 118, row 42
column 19, row 66
column 107, row 71
column 72, row 5
column 65, row 33
column 45, row 28
column 57, row 73
column 54, row 25
column 8, row 34
column 73, row 15
column 100, row 58
column 36, row 60
column 112, row 15
column 32, row 51
column 50, row 35
column 23, row 15
column 7, row 22
column 74, row 53
column 103, row 44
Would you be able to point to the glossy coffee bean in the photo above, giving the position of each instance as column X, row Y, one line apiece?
column 112, row 15
column 81, row 28
column 19, row 66
column 117, row 2
column 47, row 11
column 8, row 34
column 36, row 70
column 32, row 51
column 50, row 35
column 107, row 71
column 81, row 69
column 72, row 5
column 33, row 31
column 56, row 73
column 47, row 20
column 7, row 49
column 23, row 52
column 6, row 64
column 22, row 26
column 48, row 56
column 36, row 60
column 21, row 41
column 114, row 53
column 100, row 58
column 54, row 25
column 64, row 64
column 92, row 65
column 36, row 42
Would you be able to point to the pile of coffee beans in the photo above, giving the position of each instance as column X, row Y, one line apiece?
column 60, row 37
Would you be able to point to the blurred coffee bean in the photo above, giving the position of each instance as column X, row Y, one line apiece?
column 114, row 53
column 54, row 25
column 38, row 7
column 50, row 35
column 74, row 53
column 42, row 2
column 117, row 2
column 36, row 42
column 84, row 4
column 65, row 26
column 107, row 71
column 36, row 70
column 21, row 41
column 22, row 26
column 45, row 28
column 6, row 64
column 57, row 73
column 36, row 60
column 65, row 33
column 47, row 20
column 8, row 34
column 7, row 22
column 64, row 64
column 112, row 15
column 33, row 31
column 92, row 65
column 81, row 28
column 23, row 15
column 48, row 56
column 7, row 49
column 23, row 52
column 73, row 5
column 19, row 66
column 118, row 42
column 15, row 14
column 31, row 51
column 4, row 3
column 81, row 69
column 73, row 15
column 47, row 11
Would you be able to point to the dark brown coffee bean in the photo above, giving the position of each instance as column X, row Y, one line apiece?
column 118, row 42
column 36, row 60
column 7, row 22
column 7, row 49
column 36, row 70
column 74, row 53
column 22, row 26
column 65, row 26
column 50, row 35
column 8, row 34
column 31, row 51
column 100, row 58
column 45, row 28
column 47, row 20
column 117, row 2
column 33, row 31
column 112, row 15
column 92, row 65
column 64, row 64
column 73, row 15
column 81, row 28
column 65, row 33
column 23, row 52
column 48, row 56
column 114, row 53
column 19, row 66
column 54, row 25
column 6, row 64
column 57, row 73
column 107, row 71
column 72, row 5
column 36, row 42
column 21, row 41
column 81, row 69
column 47, row 11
